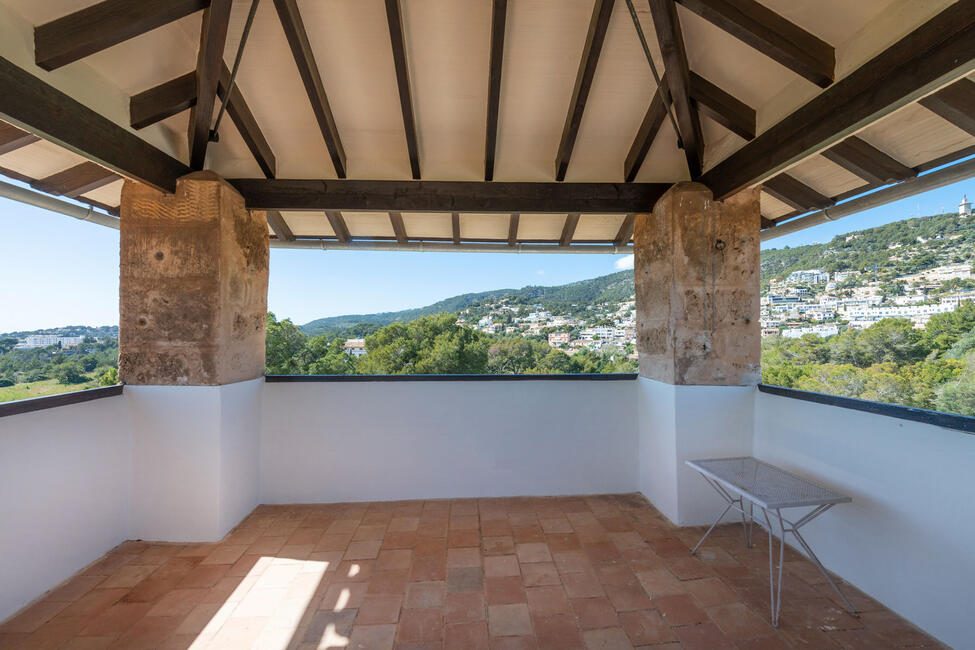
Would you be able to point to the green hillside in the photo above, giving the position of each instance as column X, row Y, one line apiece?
column 616, row 287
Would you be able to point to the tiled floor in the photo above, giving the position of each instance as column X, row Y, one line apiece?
column 588, row 572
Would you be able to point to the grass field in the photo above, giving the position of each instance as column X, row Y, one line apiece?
column 39, row 389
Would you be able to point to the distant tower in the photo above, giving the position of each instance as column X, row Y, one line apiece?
column 964, row 208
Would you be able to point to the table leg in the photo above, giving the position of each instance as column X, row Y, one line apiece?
column 822, row 569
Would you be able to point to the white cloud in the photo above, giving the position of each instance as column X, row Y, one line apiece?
column 624, row 263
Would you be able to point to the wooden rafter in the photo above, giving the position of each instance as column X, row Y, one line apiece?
column 726, row 110
column 179, row 94
column 25, row 99
column 337, row 221
column 498, row 19
column 397, row 38
column 671, row 42
column 513, row 220
column 279, row 226
column 954, row 103
column 772, row 35
column 598, row 24
column 209, row 62
column 294, row 30
column 866, row 161
column 569, row 229
column 447, row 196
column 795, row 193
column 103, row 25
column 455, row 227
column 906, row 70
column 12, row 138
column 399, row 228
column 646, row 134
column 77, row 180
column 625, row 233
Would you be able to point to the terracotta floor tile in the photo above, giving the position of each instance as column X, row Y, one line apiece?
column 33, row 617
column 379, row 609
column 660, row 582
column 669, row 547
column 582, row 585
column 75, row 588
column 343, row 596
column 426, row 569
column 594, row 613
column 353, row 571
column 465, row 580
column 464, row 608
column 501, row 545
column 178, row 602
column 266, row 545
column 496, row 566
column 116, row 619
column 626, row 598
column 463, row 538
column 540, row 574
column 389, row 582
column 203, row 576
column 93, row 602
column 680, row 609
column 509, row 620
column 710, row 591
column 396, row 540
column 340, row 526
column 393, row 560
column 554, row 526
column 572, row 562
column 547, row 601
column 403, row 524
column 372, row 637
column 328, row 542
column 425, row 595
column 466, row 636
column 363, row 550
column 504, row 590
column 738, row 622
column 703, row 637
column 646, row 627
column 527, row 534
column 128, row 576
column 420, row 625
column 496, row 528
column 325, row 627
column 612, row 638
column 463, row 557
column 533, row 552
column 557, row 633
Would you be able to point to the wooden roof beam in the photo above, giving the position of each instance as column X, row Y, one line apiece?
column 397, row 39
column 399, row 228
column 569, row 229
column 209, row 62
column 955, row 103
column 28, row 101
column 455, row 227
column 294, row 30
column 772, row 35
column 625, row 233
column 795, row 193
column 337, row 221
column 77, row 180
column 498, row 17
column 177, row 95
column 103, row 25
column 598, row 24
column 866, row 161
column 279, row 226
column 646, row 134
column 671, row 42
column 729, row 112
column 939, row 49
column 12, row 138
column 513, row 220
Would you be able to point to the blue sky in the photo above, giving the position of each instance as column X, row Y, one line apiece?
column 56, row 270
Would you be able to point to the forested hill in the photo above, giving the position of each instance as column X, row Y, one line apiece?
column 101, row 332
column 616, row 287
column 897, row 248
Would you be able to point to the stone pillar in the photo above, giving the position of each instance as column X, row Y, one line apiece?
column 193, row 289
column 696, row 271
column 193, row 305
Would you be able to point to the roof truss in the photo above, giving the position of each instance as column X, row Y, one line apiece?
column 77, row 180
column 213, row 38
column 955, row 103
column 866, row 161
column 12, row 138
column 398, row 40
column 498, row 19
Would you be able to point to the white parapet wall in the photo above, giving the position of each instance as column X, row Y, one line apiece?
column 906, row 539
column 65, row 475
column 382, row 440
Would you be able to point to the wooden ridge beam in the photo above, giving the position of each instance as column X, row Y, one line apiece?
column 955, row 104
column 399, row 228
column 179, row 94
column 772, row 35
column 625, row 233
column 455, row 227
column 397, row 39
column 75, row 181
column 671, row 41
column 513, row 220
column 726, row 110
column 447, row 196
column 939, row 49
column 209, row 62
column 795, row 193
column 294, row 30
column 279, row 226
column 44, row 110
column 339, row 227
column 12, row 138
column 598, row 25
column 569, row 229
column 646, row 134
column 498, row 18
column 866, row 161
column 103, row 25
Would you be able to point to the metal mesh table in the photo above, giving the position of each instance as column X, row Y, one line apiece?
column 772, row 489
